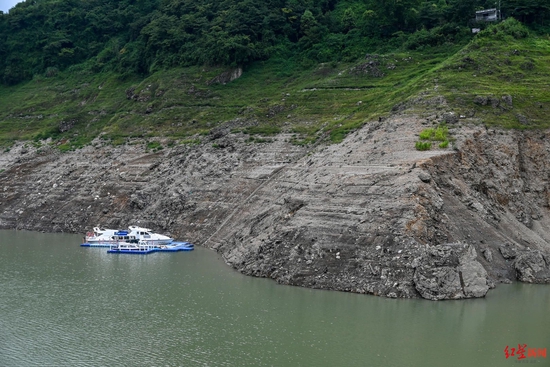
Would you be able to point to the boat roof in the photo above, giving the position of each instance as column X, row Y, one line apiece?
column 137, row 228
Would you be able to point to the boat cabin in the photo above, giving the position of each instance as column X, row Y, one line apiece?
column 123, row 236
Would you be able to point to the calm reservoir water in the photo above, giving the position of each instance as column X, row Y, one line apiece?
column 64, row 305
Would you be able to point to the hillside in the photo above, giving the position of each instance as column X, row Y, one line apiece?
column 73, row 70
column 323, row 102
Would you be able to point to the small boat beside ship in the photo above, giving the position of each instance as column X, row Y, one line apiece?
column 176, row 246
column 140, row 248
column 144, row 248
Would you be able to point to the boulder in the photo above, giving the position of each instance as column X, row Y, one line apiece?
column 481, row 100
column 437, row 283
column 450, row 118
column 508, row 100
column 508, row 251
column 532, row 267
column 488, row 254
column 226, row 76
column 424, row 177
column 450, row 271
column 474, row 279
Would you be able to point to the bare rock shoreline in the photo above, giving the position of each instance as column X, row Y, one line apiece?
column 370, row 215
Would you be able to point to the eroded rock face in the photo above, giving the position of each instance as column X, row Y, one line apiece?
column 370, row 215
column 508, row 251
column 227, row 76
column 450, row 271
column 437, row 283
column 532, row 267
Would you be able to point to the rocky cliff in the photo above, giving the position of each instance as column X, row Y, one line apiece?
column 370, row 215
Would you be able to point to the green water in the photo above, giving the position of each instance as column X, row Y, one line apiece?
column 64, row 305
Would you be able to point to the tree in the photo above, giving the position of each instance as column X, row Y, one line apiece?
column 348, row 20
column 460, row 11
column 528, row 11
column 431, row 13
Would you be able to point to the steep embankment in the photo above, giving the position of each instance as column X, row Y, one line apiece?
column 369, row 215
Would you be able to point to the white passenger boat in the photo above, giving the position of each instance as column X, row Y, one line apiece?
column 145, row 234
column 101, row 237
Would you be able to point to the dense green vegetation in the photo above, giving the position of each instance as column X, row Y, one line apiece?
column 142, row 68
column 143, row 36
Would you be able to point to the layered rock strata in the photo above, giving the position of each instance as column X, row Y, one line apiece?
column 370, row 215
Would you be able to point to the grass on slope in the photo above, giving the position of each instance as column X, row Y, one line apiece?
column 327, row 101
column 74, row 107
column 502, row 77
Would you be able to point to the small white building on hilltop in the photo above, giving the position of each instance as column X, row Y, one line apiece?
column 487, row 15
